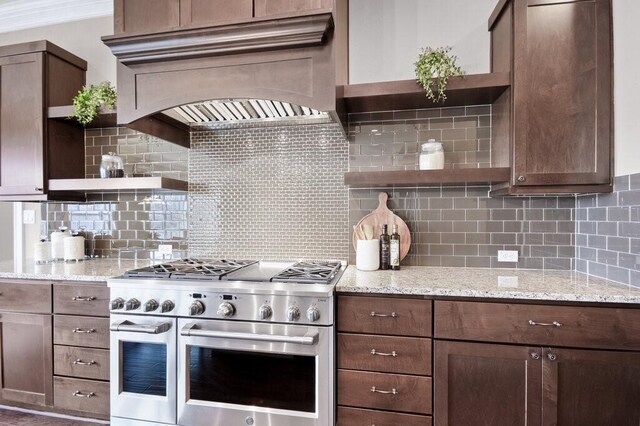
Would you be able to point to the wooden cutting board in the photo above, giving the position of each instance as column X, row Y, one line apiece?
column 382, row 215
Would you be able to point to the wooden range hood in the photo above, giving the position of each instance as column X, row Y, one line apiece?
column 299, row 58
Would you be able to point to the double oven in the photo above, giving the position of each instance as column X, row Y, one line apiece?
column 237, row 354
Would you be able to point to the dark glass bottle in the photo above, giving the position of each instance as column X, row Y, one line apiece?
column 384, row 249
column 394, row 249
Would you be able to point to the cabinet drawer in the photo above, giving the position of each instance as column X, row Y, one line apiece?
column 81, row 331
column 81, row 299
column 376, row 353
column 359, row 417
column 382, row 315
column 25, row 296
column 81, row 362
column 587, row 327
column 71, row 394
column 355, row 389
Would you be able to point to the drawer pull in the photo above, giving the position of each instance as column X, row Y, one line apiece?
column 545, row 324
column 84, row 395
column 376, row 314
column 83, row 298
column 81, row 362
column 392, row 353
column 393, row 391
column 82, row 330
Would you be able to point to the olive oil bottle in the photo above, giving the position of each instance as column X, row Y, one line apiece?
column 385, row 254
column 394, row 248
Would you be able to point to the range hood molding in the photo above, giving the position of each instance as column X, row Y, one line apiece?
column 299, row 60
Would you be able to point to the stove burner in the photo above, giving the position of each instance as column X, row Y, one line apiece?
column 309, row 272
column 205, row 269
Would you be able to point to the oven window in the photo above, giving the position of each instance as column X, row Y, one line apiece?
column 144, row 368
column 267, row 380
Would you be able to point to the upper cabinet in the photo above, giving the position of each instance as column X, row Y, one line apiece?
column 554, row 126
column 33, row 149
column 152, row 16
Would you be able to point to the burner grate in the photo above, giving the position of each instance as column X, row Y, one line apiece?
column 200, row 269
column 309, row 272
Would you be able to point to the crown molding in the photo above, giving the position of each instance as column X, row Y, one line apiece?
column 22, row 14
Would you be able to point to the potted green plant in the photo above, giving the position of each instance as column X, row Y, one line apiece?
column 91, row 98
column 434, row 67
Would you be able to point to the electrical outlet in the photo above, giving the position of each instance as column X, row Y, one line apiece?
column 507, row 255
column 28, row 217
column 165, row 249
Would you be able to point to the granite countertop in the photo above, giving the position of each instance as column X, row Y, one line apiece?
column 488, row 283
column 87, row 270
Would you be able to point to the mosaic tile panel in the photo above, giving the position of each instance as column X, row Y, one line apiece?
column 269, row 192
column 608, row 232
column 128, row 225
column 462, row 226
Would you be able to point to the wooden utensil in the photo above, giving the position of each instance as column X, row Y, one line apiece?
column 368, row 231
column 382, row 215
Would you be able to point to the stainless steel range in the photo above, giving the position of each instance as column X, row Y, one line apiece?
column 223, row 342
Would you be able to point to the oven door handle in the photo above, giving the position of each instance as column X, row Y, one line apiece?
column 311, row 338
column 130, row 327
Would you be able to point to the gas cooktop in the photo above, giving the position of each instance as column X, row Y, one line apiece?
column 308, row 272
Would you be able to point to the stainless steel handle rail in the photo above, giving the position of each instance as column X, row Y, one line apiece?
column 81, row 362
column 83, row 298
column 545, row 324
column 84, row 395
column 83, row 330
column 376, row 314
column 130, row 327
column 393, row 391
column 392, row 353
column 191, row 330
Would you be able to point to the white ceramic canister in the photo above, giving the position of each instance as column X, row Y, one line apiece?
column 431, row 155
column 368, row 255
column 57, row 245
column 42, row 251
column 73, row 248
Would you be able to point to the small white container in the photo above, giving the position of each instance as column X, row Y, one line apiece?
column 368, row 255
column 57, row 245
column 431, row 155
column 73, row 248
column 42, row 252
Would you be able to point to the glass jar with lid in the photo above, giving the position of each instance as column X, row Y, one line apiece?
column 431, row 155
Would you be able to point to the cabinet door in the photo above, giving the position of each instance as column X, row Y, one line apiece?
column 21, row 125
column 26, row 359
column 214, row 12
column 563, row 95
column 486, row 384
column 591, row 388
column 283, row 7
column 145, row 16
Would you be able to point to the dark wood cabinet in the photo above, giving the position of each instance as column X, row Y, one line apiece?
column 496, row 384
column 280, row 7
column 384, row 372
column 33, row 149
column 555, row 124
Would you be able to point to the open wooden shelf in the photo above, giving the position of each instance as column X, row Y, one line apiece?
column 427, row 177
column 159, row 125
column 473, row 89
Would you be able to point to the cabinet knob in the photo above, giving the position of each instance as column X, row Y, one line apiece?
column 535, row 355
column 38, row 189
column 552, row 357
column 521, row 178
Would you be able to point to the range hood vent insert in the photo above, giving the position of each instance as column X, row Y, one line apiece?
column 241, row 110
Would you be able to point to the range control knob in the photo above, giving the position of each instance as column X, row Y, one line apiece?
column 150, row 305
column 132, row 304
column 293, row 313
column 226, row 310
column 196, row 308
column 117, row 303
column 313, row 314
column 167, row 306
column 265, row 312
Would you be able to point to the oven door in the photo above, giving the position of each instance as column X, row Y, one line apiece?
column 254, row 374
column 143, row 369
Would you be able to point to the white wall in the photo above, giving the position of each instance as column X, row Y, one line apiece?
column 385, row 36
column 81, row 38
column 6, row 231
column 626, row 15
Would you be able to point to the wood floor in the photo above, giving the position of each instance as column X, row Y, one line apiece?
column 18, row 418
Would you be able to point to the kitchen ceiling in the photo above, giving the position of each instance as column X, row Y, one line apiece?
column 22, row 14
